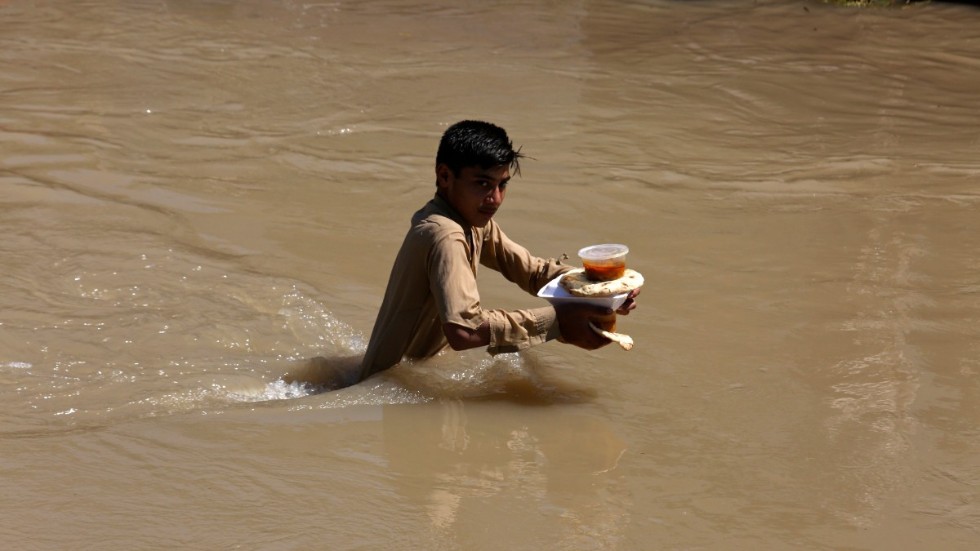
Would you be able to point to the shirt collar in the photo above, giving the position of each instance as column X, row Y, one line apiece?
column 441, row 206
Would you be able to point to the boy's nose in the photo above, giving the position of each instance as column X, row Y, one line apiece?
column 494, row 196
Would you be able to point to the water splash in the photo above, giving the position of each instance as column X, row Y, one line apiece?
column 276, row 390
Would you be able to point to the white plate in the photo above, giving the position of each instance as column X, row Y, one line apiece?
column 554, row 293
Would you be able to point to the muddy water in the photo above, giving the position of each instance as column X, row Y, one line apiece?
column 199, row 195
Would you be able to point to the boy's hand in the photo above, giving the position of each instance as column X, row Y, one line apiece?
column 573, row 322
column 630, row 303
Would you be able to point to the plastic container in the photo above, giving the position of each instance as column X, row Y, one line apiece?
column 604, row 262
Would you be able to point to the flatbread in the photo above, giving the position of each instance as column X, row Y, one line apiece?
column 622, row 340
column 578, row 285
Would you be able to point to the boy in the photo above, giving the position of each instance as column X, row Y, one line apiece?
column 432, row 299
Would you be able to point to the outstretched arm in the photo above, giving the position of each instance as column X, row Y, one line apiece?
column 573, row 326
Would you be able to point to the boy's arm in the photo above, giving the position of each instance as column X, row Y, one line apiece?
column 516, row 263
column 570, row 322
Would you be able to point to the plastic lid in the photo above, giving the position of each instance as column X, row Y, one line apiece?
column 604, row 251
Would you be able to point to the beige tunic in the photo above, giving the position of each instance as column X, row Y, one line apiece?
column 433, row 281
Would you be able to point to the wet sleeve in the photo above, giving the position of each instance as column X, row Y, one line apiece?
column 511, row 331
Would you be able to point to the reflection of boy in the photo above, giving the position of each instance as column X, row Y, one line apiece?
column 432, row 298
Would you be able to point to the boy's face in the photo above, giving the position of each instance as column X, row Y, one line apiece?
column 476, row 193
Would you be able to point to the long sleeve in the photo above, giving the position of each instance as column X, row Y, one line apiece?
column 514, row 330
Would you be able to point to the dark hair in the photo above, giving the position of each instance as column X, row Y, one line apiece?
column 477, row 143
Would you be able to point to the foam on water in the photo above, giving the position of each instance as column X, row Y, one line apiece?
column 276, row 390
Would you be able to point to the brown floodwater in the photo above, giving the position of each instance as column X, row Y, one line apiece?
column 197, row 196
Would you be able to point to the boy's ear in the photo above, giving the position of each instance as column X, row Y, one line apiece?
column 443, row 172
